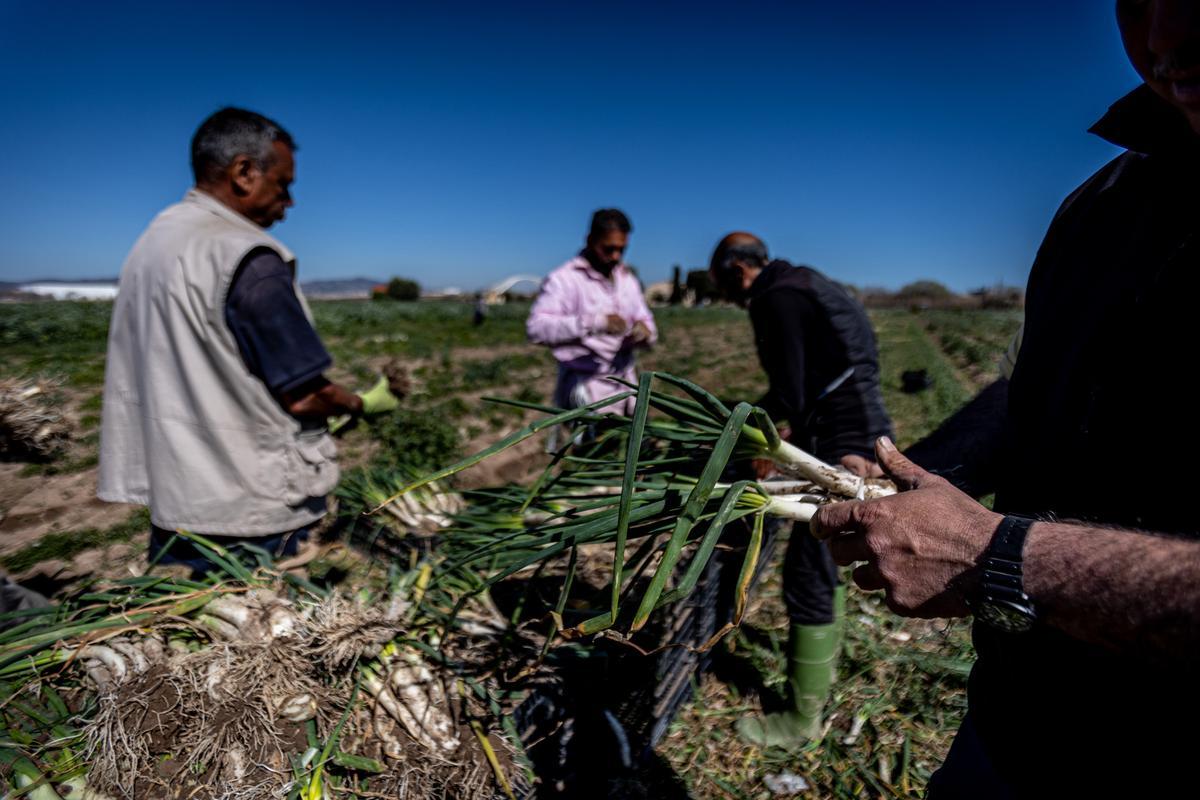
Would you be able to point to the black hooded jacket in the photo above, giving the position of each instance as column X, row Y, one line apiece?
column 818, row 349
column 1099, row 422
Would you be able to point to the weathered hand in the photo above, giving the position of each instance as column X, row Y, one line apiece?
column 862, row 466
column 920, row 545
column 614, row 324
column 763, row 468
column 640, row 334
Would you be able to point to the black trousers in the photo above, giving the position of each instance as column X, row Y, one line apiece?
column 170, row 549
column 809, row 578
column 967, row 773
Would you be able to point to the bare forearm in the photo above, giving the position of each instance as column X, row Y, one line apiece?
column 327, row 400
column 1127, row 590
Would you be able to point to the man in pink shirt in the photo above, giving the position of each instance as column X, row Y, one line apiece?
column 591, row 313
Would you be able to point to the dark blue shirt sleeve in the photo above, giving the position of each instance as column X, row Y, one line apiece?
column 277, row 342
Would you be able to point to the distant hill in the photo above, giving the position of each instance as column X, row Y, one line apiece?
column 350, row 287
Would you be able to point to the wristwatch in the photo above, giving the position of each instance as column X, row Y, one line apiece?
column 999, row 599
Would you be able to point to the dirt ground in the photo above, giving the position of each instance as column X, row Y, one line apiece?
column 32, row 506
column 35, row 503
column 519, row 464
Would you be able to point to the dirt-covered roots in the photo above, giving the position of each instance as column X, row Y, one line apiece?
column 229, row 713
column 236, row 716
column 418, row 778
column 30, row 426
column 416, row 771
column 343, row 632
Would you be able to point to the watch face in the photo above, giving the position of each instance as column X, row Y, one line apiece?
column 1003, row 616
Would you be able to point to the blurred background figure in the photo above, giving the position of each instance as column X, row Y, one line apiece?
column 481, row 310
column 817, row 347
column 591, row 313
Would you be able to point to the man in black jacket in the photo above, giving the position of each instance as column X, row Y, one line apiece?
column 1085, row 589
column 818, row 349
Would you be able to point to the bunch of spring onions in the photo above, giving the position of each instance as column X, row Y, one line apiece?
column 653, row 479
column 31, row 423
column 103, row 693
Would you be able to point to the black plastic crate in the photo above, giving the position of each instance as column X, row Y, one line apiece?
column 615, row 705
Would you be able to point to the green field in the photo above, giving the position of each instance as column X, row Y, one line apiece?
column 902, row 689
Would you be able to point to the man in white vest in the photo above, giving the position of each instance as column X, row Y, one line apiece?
column 215, row 399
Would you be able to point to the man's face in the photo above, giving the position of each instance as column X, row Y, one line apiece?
column 734, row 283
column 1162, row 39
column 263, row 194
column 607, row 249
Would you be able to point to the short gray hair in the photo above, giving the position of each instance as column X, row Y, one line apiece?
column 233, row 132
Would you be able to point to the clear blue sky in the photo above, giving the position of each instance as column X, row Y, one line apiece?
column 457, row 143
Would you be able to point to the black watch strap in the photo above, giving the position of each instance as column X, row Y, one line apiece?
column 1008, row 542
column 1001, row 600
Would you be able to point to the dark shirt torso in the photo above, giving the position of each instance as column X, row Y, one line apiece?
column 818, row 349
column 277, row 342
column 1099, row 412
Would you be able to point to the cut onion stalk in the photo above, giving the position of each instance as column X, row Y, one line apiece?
column 300, row 708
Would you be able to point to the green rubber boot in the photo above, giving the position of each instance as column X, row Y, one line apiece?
column 811, row 669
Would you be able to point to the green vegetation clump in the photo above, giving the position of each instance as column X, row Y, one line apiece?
column 928, row 291
column 973, row 340
column 61, row 339
column 399, row 289
column 410, row 443
column 497, row 371
column 353, row 329
column 60, row 324
column 415, row 441
column 65, row 545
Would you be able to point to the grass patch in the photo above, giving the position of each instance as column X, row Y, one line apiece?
column 420, row 329
column 904, row 345
column 414, row 440
column 498, row 371
column 973, row 339
column 66, row 545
